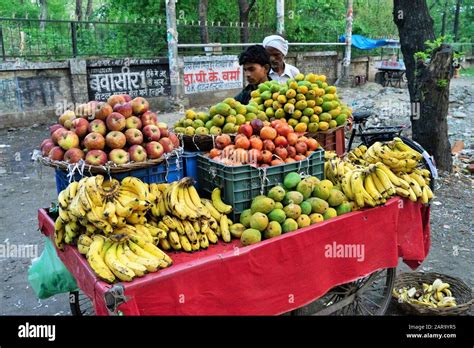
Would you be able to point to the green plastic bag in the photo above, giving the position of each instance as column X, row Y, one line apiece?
column 48, row 276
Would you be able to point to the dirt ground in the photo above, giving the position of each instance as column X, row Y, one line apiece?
column 26, row 186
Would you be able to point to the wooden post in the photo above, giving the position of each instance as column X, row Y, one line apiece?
column 346, row 67
column 280, row 9
column 172, row 39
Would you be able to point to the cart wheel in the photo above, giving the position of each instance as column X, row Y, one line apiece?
column 367, row 296
column 80, row 304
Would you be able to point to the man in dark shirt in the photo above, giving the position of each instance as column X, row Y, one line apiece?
column 256, row 63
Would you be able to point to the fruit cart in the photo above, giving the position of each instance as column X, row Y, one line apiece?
column 345, row 265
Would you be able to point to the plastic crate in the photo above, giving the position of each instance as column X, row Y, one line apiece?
column 167, row 171
column 332, row 140
column 190, row 165
column 240, row 184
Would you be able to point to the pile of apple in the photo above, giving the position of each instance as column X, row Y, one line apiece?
column 263, row 144
column 120, row 130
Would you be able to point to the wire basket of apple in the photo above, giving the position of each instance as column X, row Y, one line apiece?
column 263, row 144
column 199, row 129
column 118, row 135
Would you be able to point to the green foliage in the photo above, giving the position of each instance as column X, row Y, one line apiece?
column 442, row 83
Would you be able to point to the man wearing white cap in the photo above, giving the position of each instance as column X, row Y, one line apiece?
column 277, row 48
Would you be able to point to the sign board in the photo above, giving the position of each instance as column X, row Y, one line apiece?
column 211, row 73
column 136, row 77
column 391, row 65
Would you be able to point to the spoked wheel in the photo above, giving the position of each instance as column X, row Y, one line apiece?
column 366, row 296
column 80, row 304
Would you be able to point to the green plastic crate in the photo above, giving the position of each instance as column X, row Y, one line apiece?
column 240, row 184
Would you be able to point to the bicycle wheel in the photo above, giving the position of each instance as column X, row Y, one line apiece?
column 366, row 296
column 428, row 161
column 80, row 304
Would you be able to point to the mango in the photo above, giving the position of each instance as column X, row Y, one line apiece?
column 318, row 205
column 291, row 180
column 292, row 211
column 305, row 187
column 289, row 225
column 315, row 218
column 293, row 197
column 306, row 207
column 245, row 217
column 250, row 236
column 278, row 205
column 303, row 221
column 273, row 230
column 277, row 193
column 336, row 198
column 263, row 205
column 329, row 213
column 236, row 230
column 343, row 208
column 277, row 215
column 259, row 221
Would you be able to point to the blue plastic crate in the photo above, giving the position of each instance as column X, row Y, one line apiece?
column 190, row 165
column 166, row 171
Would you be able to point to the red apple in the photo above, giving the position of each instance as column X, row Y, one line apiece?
column 137, row 153
column 269, row 145
column 126, row 97
column 149, row 118
column 115, row 121
column 223, row 141
column 46, row 147
column 119, row 156
column 73, row 155
column 66, row 118
column 125, row 109
column 246, row 129
column 68, row 140
column 280, row 141
column 115, row 99
column 56, row 154
column 134, row 136
column 57, row 134
column 94, row 141
column 102, row 111
column 80, row 127
column 164, row 131
column 174, row 139
column 96, row 157
column 266, row 156
column 167, row 144
column 55, row 127
column 115, row 140
column 97, row 126
column 154, row 149
column 133, row 122
column 281, row 152
column 151, row 133
column 139, row 105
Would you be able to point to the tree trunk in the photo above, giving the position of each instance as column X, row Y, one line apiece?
column 244, row 11
column 89, row 9
column 43, row 13
column 428, row 84
column 203, row 4
column 443, row 21
column 79, row 10
column 456, row 21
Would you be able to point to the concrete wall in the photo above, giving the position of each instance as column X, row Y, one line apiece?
column 31, row 92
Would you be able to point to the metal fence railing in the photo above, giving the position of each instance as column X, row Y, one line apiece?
column 59, row 39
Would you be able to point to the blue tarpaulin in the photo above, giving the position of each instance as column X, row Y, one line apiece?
column 364, row 43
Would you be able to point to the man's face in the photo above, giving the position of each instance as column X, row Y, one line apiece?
column 255, row 73
column 276, row 58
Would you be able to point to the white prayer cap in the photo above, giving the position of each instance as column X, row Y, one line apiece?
column 276, row 41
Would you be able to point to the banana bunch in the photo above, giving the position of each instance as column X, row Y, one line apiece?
column 123, row 255
column 436, row 295
column 395, row 154
column 190, row 222
column 95, row 206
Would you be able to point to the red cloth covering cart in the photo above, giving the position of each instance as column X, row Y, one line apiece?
column 272, row 277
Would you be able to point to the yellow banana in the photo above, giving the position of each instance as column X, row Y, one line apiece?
column 369, row 186
column 96, row 261
column 84, row 239
column 203, row 241
column 357, row 187
column 385, row 181
column 429, row 192
column 121, row 271
column 185, row 244
column 218, row 203
column 189, row 231
column 137, row 268
column 224, row 225
column 92, row 190
column 59, row 233
column 413, row 184
column 173, row 238
column 164, row 244
column 212, row 210
column 139, row 255
column 136, row 185
column 62, row 200
column 346, row 185
column 418, row 178
column 144, row 252
column 390, row 175
column 83, row 249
